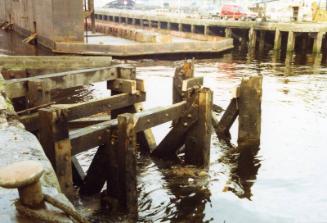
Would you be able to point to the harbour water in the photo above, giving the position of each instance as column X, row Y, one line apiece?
column 282, row 181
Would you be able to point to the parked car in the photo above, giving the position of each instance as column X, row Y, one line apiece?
column 121, row 4
column 236, row 12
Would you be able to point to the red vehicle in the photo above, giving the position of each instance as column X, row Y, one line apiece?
column 236, row 12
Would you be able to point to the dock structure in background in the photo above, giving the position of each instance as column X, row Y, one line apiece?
column 218, row 27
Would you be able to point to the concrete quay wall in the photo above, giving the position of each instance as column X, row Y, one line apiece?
column 52, row 20
column 16, row 145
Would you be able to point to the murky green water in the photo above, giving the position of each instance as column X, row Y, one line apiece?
column 282, row 181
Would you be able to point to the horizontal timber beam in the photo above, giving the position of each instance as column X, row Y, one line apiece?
column 80, row 110
column 159, row 115
column 91, row 136
column 123, row 85
column 55, row 62
column 18, row 87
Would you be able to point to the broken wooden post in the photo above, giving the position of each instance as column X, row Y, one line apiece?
column 246, row 104
column 250, row 111
column 197, row 141
column 182, row 72
column 54, row 138
column 145, row 138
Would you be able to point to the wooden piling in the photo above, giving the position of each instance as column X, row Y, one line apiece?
column 180, row 27
column 37, row 93
column 291, row 41
column 192, row 28
column 278, row 40
column 250, row 111
column 92, row 15
column 317, row 44
column 55, row 141
column 127, row 164
column 197, row 141
column 145, row 138
column 207, row 31
column 228, row 33
column 252, row 38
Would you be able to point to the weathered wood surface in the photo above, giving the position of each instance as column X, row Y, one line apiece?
column 227, row 120
column 16, row 145
column 51, row 62
column 31, row 122
column 144, row 138
column 127, row 164
column 175, row 139
column 123, row 85
column 197, row 141
column 91, row 136
column 195, row 82
column 98, row 173
column 84, row 122
column 18, row 87
column 250, row 111
column 92, row 107
column 153, row 117
column 56, row 144
column 78, row 172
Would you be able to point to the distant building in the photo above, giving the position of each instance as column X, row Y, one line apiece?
column 287, row 10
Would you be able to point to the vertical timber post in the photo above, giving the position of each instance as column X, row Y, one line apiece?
column 168, row 25
column 54, row 138
column 159, row 25
column 262, row 40
column 198, row 139
column 182, row 73
column 180, row 27
column 92, row 15
column 146, row 137
column 291, row 41
column 192, row 28
column 127, row 164
column 252, row 38
column 250, row 112
column 278, row 40
column 207, row 30
column 38, row 93
column 228, row 33
column 317, row 42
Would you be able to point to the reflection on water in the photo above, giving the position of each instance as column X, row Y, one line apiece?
column 283, row 181
column 242, row 165
column 11, row 44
